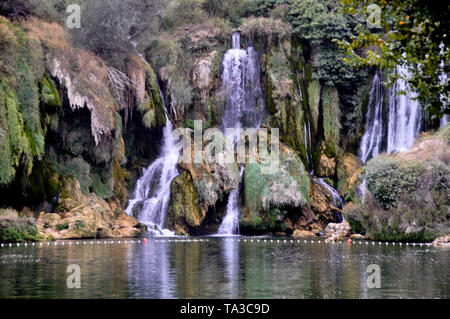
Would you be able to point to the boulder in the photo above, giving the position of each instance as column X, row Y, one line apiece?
column 82, row 216
column 443, row 241
column 184, row 213
column 326, row 167
column 338, row 230
column 303, row 234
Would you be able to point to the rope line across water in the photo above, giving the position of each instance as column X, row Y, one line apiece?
column 245, row 240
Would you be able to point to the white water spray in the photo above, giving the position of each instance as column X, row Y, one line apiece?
column 152, row 194
column 244, row 109
column 405, row 115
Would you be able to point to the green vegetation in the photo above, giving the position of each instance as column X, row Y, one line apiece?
column 14, row 228
column 408, row 201
column 413, row 33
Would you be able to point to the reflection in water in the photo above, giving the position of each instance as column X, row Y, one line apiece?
column 230, row 253
column 224, row 268
column 150, row 272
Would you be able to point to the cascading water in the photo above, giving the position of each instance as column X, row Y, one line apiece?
column 338, row 202
column 404, row 122
column 244, row 109
column 152, row 193
column 371, row 141
column 405, row 115
column 230, row 224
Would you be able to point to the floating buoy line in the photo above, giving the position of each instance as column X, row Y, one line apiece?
column 200, row 240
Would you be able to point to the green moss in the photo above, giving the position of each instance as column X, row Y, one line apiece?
column 283, row 190
column 61, row 227
column 101, row 188
column 18, row 230
column 331, row 115
column 49, row 94
column 22, row 64
column 183, row 208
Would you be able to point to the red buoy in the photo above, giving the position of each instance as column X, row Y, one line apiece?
column 145, row 240
column 349, row 241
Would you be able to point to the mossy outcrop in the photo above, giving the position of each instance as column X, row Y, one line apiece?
column 407, row 194
column 16, row 228
column 79, row 216
column 184, row 214
column 270, row 198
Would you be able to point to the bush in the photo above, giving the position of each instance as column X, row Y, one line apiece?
column 17, row 229
column 61, row 227
column 272, row 30
column 418, row 208
column 388, row 177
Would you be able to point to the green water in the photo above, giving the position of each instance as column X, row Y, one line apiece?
column 222, row 268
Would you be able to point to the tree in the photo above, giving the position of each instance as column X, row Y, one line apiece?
column 411, row 33
column 111, row 27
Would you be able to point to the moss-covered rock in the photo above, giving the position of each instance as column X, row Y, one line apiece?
column 49, row 94
column 269, row 198
column 15, row 228
column 408, row 194
column 184, row 214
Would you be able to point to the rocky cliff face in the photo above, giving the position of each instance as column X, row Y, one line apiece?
column 60, row 119
column 66, row 115
column 306, row 111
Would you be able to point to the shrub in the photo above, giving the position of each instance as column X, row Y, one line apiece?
column 418, row 209
column 61, row 227
column 272, row 30
column 387, row 178
column 18, row 229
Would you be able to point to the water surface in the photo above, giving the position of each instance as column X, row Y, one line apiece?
column 223, row 268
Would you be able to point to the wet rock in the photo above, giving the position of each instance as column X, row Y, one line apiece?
column 352, row 166
column 443, row 241
column 326, row 167
column 338, row 230
column 202, row 74
column 82, row 216
column 184, row 213
column 303, row 234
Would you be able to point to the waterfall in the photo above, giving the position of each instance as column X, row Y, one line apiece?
column 371, row 141
column 244, row 109
column 444, row 120
column 405, row 115
column 230, row 224
column 338, row 202
column 242, row 87
column 404, row 120
column 152, row 193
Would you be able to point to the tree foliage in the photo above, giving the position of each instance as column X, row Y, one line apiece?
column 412, row 33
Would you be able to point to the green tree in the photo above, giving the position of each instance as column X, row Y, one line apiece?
column 411, row 33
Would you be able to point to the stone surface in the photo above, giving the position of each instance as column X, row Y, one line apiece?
column 338, row 230
column 82, row 216
column 326, row 167
column 184, row 213
column 303, row 234
column 443, row 241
